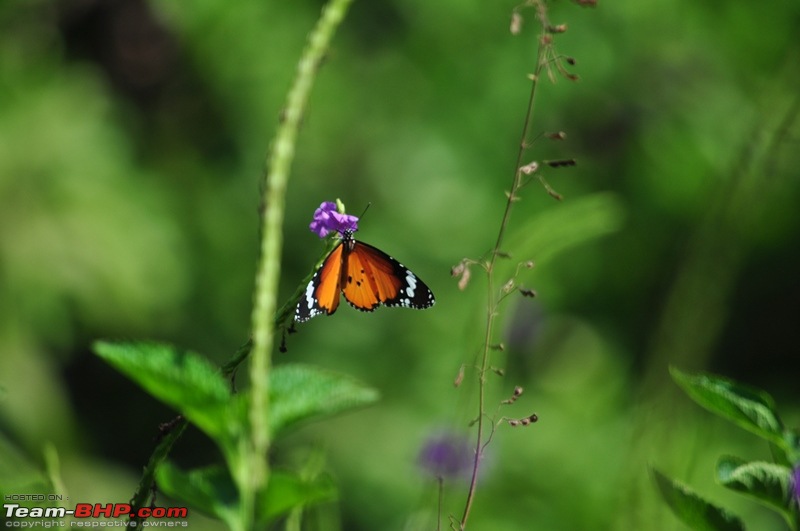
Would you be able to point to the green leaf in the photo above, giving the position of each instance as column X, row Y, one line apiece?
column 766, row 482
column 693, row 510
column 212, row 491
column 17, row 474
column 209, row 490
column 286, row 491
column 182, row 379
column 302, row 392
column 792, row 438
column 747, row 407
column 571, row 224
column 192, row 385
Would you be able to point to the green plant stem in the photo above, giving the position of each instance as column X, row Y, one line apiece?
column 283, row 315
column 253, row 473
column 156, row 458
column 53, row 468
column 440, row 485
column 492, row 301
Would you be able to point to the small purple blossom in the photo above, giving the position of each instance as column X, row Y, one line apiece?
column 446, row 456
column 327, row 219
column 796, row 483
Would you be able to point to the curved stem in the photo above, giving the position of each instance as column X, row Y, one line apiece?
column 254, row 473
column 492, row 301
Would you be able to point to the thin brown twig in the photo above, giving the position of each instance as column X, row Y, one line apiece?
column 542, row 59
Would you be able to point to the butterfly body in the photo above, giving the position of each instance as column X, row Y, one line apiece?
column 366, row 276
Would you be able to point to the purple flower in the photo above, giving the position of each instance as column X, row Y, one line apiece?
column 327, row 219
column 796, row 483
column 446, row 456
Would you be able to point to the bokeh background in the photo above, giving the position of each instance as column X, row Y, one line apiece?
column 133, row 135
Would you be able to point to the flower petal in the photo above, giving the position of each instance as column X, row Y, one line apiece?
column 327, row 219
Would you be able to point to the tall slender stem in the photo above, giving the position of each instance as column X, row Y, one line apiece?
column 254, row 470
column 491, row 304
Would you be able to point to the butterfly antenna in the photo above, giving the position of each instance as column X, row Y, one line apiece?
column 365, row 210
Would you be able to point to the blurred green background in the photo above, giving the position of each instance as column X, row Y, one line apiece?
column 132, row 141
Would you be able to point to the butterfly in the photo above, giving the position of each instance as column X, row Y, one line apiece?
column 366, row 276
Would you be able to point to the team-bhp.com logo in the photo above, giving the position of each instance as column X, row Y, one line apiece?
column 89, row 515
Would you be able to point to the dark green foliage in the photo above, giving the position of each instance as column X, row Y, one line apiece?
column 769, row 483
column 748, row 408
column 692, row 509
column 299, row 392
column 182, row 379
column 187, row 382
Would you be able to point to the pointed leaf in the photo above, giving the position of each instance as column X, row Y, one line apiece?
column 792, row 438
column 571, row 224
column 182, row 379
column 693, row 510
column 286, row 491
column 768, row 483
column 209, row 490
column 747, row 407
column 17, row 473
column 302, row 392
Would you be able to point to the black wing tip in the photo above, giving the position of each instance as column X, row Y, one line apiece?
column 363, row 308
column 303, row 316
column 412, row 303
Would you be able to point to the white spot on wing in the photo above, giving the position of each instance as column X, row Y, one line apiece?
column 310, row 295
column 411, row 282
column 303, row 314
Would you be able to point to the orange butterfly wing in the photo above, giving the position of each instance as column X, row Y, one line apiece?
column 322, row 292
column 367, row 277
column 370, row 278
column 374, row 278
